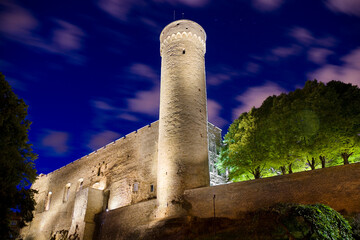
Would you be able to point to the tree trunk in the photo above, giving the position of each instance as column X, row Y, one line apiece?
column 290, row 168
column 257, row 173
column 283, row 170
column 312, row 163
column 345, row 157
column 323, row 161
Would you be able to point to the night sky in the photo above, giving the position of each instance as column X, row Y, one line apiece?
column 90, row 70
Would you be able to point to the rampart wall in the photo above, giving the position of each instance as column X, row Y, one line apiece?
column 124, row 171
column 338, row 187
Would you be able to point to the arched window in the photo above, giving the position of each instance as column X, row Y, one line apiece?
column 136, row 187
column 66, row 192
column 80, row 184
column 48, row 200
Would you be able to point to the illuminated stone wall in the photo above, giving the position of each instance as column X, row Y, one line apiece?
column 113, row 170
column 337, row 187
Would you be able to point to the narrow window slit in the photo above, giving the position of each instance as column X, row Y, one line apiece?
column 184, row 51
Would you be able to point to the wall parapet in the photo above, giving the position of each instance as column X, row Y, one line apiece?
column 97, row 151
column 337, row 187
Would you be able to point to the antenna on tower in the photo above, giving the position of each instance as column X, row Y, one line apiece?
column 174, row 15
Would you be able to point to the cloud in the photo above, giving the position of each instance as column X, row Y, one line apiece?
column 128, row 117
column 350, row 7
column 144, row 71
column 319, row 55
column 19, row 25
column 252, row 67
column 56, row 141
column 266, row 5
column 102, row 105
column 143, row 102
column 190, row 3
column 284, row 52
column 302, row 35
column 280, row 53
column 254, row 97
column 146, row 102
column 68, row 37
column 121, row 9
column 220, row 74
column 326, row 41
column 101, row 139
column 214, row 110
column 118, row 8
column 348, row 72
column 217, row 79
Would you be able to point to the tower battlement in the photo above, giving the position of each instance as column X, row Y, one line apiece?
column 182, row 29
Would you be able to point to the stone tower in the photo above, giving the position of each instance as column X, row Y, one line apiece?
column 183, row 142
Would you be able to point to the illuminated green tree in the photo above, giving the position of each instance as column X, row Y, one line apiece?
column 346, row 130
column 293, row 131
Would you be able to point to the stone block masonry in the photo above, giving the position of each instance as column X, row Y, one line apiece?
column 183, row 126
column 338, row 187
column 119, row 174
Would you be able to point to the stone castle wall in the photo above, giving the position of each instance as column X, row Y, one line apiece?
column 124, row 172
column 337, row 187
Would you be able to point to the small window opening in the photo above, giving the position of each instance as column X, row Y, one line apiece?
column 178, row 24
column 99, row 170
column 80, row 184
column 136, row 187
column 48, row 200
column 184, row 51
column 66, row 192
column 151, row 188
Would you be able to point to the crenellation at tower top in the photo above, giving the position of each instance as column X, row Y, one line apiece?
column 180, row 29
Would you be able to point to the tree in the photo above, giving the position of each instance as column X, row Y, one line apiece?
column 318, row 122
column 347, row 128
column 282, row 124
column 17, row 170
column 319, row 112
column 245, row 152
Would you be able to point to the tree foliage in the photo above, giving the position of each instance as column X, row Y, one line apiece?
column 17, row 170
column 318, row 124
column 316, row 221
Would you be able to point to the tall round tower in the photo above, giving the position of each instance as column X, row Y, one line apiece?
column 183, row 142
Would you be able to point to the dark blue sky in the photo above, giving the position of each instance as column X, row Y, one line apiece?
column 90, row 70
